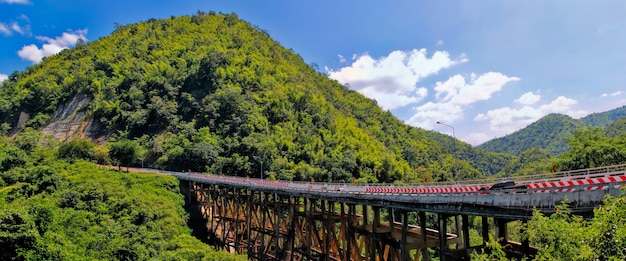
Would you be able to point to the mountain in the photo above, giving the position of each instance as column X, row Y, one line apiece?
column 211, row 92
column 551, row 131
column 616, row 128
column 604, row 119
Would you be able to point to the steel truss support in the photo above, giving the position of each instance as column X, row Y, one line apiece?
column 271, row 226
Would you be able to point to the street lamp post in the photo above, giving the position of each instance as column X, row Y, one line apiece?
column 454, row 151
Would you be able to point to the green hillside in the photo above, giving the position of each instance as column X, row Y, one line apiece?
column 603, row 119
column 211, row 92
column 548, row 133
column 616, row 128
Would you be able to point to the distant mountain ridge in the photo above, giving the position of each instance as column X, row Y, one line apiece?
column 551, row 132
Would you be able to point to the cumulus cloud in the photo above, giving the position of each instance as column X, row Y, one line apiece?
column 3, row 77
column 507, row 119
column 456, row 94
column 51, row 46
column 458, row 91
column 23, row 2
column 617, row 93
column 528, row 98
column 392, row 80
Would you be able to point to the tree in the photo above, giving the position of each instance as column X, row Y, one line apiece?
column 76, row 149
column 608, row 229
column 11, row 157
column 124, row 152
column 592, row 148
column 17, row 233
column 561, row 236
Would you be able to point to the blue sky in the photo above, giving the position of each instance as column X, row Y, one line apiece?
column 487, row 68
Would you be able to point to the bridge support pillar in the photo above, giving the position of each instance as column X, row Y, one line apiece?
column 403, row 243
column 485, row 230
column 443, row 240
column 375, row 243
column 424, row 250
column 464, row 233
column 502, row 232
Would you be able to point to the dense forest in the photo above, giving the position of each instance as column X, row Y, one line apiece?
column 55, row 207
column 211, row 92
column 550, row 133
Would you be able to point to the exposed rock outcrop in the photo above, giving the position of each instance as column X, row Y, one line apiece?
column 69, row 122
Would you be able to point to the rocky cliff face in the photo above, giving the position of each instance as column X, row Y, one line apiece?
column 71, row 121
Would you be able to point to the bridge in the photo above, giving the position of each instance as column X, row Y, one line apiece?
column 290, row 220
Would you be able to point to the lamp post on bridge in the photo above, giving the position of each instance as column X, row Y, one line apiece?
column 453, row 151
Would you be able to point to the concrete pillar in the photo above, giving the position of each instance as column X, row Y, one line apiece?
column 485, row 232
column 425, row 254
column 405, row 227
column 502, row 232
column 443, row 242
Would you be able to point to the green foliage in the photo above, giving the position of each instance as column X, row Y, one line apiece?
column 11, row 157
column 604, row 119
column 530, row 162
column 551, row 132
column 492, row 252
column 123, row 152
column 53, row 210
column 548, row 133
column 592, row 148
column 561, row 236
column 616, row 129
column 608, row 230
column 77, row 149
column 17, row 232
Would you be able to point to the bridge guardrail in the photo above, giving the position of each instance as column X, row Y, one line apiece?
column 592, row 178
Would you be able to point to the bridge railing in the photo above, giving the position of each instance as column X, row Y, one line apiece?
column 549, row 181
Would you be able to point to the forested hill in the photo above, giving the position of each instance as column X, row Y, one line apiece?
column 604, row 119
column 550, row 132
column 211, row 92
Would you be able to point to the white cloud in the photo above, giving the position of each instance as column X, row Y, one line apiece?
column 506, row 120
column 528, row 98
column 23, row 30
column 440, row 43
column 481, row 88
column 477, row 138
column 455, row 95
column 5, row 30
column 426, row 115
column 341, row 58
column 3, row 77
column 458, row 91
column 392, row 79
column 617, row 93
column 24, row 2
column 35, row 54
